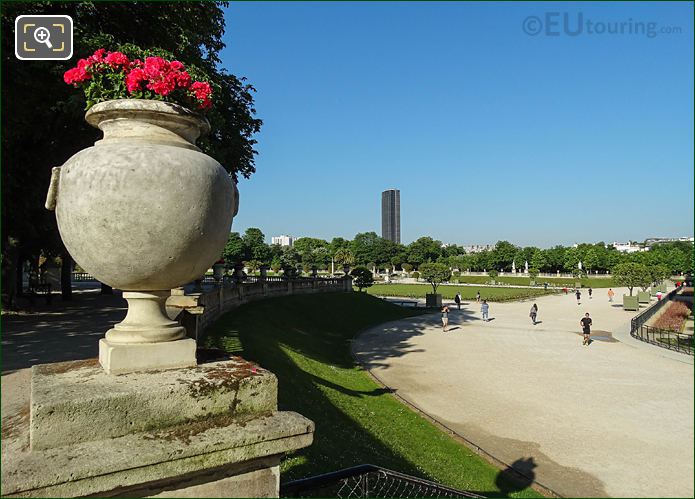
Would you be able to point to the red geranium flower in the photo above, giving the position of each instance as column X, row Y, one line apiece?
column 115, row 59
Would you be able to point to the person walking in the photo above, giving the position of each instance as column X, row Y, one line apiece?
column 611, row 294
column 579, row 296
column 590, row 291
column 586, row 328
column 533, row 313
column 445, row 317
column 457, row 299
column 477, row 297
column 485, row 308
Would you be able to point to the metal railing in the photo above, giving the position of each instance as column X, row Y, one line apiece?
column 82, row 277
column 664, row 338
column 368, row 480
column 640, row 319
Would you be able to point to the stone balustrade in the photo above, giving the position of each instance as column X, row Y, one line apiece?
column 197, row 311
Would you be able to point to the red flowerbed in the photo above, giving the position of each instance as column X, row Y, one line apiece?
column 673, row 317
column 112, row 75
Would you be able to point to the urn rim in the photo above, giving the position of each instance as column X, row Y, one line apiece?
column 144, row 109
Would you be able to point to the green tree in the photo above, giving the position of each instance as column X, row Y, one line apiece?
column 192, row 31
column 289, row 260
column 533, row 273
column 555, row 258
column 631, row 274
column 338, row 243
column 571, row 261
column 362, row 277
column 309, row 244
column 435, row 274
column 538, row 260
column 407, row 268
column 659, row 272
column 255, row 247
column 253, row 265
column 424, row 249
column 343, row 256
column 234, row 252
column 365, row 247
column 591, row 260
column 493, row 274
column 503, row 255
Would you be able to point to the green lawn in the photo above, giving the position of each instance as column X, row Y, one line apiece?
column 587, row 282
column 305, row 341
column 448, row 292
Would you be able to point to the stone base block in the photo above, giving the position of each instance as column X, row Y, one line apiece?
column 181, row 461
column 77, row 401
column 208, row 431
column 121, row 358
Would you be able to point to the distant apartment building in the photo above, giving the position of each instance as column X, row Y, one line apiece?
column 283, row 240
column 653, row 240
column 391, row 215
column 477, row 248
column 629, row 247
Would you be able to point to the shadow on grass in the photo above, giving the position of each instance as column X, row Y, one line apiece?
column 305, row 341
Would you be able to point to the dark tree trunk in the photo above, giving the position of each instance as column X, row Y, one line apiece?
column 106, row 289
column 11, row 277
column 66, row 277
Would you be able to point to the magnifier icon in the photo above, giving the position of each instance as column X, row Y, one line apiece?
column 42, row 35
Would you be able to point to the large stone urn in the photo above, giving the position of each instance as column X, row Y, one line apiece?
column 144, row 211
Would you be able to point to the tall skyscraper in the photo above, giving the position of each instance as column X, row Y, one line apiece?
column 391, row 215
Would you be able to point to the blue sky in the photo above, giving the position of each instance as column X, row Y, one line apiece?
column 489, row 133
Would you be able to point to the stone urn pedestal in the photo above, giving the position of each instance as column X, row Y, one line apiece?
column 144, row 211
column 209, row 431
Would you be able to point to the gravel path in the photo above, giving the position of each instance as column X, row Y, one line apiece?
column 611, row 419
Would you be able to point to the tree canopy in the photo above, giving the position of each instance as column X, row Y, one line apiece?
column 630, row 275
column 362, row 277
column 435, row 273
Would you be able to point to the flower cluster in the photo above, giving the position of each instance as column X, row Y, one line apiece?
column 673, row 317
column 155, row 77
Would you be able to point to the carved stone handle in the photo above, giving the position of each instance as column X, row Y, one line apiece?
column 236, row 200
column 52, row 195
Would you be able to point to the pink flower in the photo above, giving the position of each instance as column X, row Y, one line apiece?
column 201, row 90
column 154, row 66
column 115, row 59
column 98, row 56
column 176, row 65
column 164, row 85
column 134, row 79
column 77, row 74
column 183, row 79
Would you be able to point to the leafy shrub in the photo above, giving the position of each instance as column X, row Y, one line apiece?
column 363, row 277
